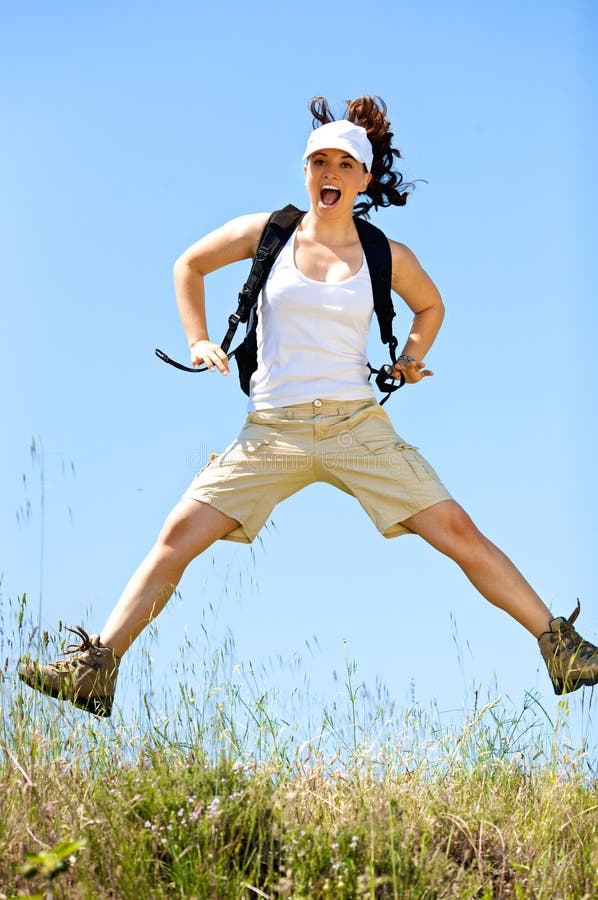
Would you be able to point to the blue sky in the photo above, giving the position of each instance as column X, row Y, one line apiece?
column 131, row 130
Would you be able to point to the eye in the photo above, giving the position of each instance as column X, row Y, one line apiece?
column 318, row 162
column 346, row 165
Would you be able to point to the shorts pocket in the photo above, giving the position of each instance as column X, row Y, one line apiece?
column 421, row 469
column 255, row 446
column 392, row 451
column 257, row 418
column 269, row 418
column 242, row 449
column 385, row 444
column 375, row 437
column 257, row 438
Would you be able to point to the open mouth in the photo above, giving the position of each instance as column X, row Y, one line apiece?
column 329, row 195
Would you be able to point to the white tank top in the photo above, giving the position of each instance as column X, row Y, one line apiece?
column 311, row 337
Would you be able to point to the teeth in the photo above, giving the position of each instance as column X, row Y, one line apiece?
column 330, row 187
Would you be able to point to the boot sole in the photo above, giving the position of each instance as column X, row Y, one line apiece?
column 566, row 687
column 98, row 706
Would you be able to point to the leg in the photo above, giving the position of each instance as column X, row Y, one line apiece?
column 190, row 529
column 87, row 677
column 448, row 528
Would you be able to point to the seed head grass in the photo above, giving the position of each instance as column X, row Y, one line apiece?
column 220, row 786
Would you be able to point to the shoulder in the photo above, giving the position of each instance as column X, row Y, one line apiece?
column 237, row 239
column 246, row 229
column 405, row 264
column 407, row 272
column 401, row 254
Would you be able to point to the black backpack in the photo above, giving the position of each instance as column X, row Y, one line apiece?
column 275, row 235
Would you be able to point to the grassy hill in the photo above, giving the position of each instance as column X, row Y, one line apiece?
column 211, row 794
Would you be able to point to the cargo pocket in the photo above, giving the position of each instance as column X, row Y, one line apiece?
column 385, row 444
column 379, row 440
column 420, row 468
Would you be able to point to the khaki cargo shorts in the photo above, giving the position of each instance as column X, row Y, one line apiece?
column 351, row 445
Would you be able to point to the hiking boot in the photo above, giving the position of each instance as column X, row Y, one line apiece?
column 571, row 661
column 87, row 679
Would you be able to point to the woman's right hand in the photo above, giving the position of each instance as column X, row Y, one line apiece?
column 211, row 354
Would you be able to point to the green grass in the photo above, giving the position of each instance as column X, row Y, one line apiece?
column 207, row 790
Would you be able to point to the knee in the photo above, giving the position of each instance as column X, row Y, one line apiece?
column 459, row 525
column 189, row 530
column 173, row 541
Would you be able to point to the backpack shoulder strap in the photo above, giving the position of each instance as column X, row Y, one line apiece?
column 377, row 253
column 276, row 233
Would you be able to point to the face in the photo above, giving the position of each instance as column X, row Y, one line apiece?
column 333, row 179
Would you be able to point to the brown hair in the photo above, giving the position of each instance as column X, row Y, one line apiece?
column 386, row 187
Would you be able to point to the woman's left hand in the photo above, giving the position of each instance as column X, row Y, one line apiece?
column 413, row 370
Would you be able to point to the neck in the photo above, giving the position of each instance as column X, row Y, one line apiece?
column 338, row 229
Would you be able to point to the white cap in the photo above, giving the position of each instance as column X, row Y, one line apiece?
column 342, row 135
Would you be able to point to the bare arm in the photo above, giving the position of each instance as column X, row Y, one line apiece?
column 421, row 295
column 236, row 240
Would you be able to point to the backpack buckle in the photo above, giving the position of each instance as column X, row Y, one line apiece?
column 385, row 381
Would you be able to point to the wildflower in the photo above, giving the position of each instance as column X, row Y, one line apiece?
column 214, row 808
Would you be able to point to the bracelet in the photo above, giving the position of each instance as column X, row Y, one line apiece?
column 406, row 357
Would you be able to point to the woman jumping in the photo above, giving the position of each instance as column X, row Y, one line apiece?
column 312, row 412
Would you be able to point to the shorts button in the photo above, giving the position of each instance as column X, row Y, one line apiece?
column 317, row 403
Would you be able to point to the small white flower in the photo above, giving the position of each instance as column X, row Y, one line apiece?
column 214, row 808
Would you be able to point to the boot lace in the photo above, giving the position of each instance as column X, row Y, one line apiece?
column 85, row 641
column 74, row 650
column 572, row 640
